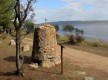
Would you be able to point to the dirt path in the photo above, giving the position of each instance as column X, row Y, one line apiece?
column 86, row 59
column 81, row 58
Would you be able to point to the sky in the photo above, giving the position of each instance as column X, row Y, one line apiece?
column 70, row 10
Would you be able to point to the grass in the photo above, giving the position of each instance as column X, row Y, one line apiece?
column 62, row 38
column 93, row 46
column 7, row 67
column 97, row 48
column 30, row 35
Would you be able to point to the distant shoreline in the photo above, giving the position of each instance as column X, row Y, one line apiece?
column 92, row 39
column 96, row 39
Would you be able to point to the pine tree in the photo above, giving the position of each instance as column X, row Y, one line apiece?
column 6, row 12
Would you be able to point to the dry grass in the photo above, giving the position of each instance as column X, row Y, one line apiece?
column 94, row 47
column 7, row 68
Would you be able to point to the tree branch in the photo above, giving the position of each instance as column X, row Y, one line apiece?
column 26, row 10
column 16, row 16
column 18, row 4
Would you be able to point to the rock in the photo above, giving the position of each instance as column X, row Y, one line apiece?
column 26, row 48
column 57, row 62
column 45, row 49
column 89, row 78
column 53, row 75
column 48, row 64
column 81, row 72
column 34, row 65
column 12, row 42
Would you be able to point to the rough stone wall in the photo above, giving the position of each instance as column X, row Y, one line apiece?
column 45, row 51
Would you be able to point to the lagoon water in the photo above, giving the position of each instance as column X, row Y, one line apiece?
column 92, row 29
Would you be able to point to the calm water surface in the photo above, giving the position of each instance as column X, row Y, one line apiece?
column 96, row 29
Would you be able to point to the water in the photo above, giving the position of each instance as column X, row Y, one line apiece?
column 92, row 29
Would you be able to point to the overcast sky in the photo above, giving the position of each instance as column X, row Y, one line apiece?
column 71, row 10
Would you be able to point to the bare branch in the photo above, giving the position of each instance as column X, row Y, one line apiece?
column 18, row 4
column 16, row 16
column 27, row 8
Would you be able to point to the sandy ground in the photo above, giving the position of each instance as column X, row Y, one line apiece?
column 81, row 58
column 86, row 59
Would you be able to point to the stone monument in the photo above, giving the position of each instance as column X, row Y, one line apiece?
column 45, row 49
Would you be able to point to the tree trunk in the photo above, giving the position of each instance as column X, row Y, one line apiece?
column 18, row 23
column 19, row 58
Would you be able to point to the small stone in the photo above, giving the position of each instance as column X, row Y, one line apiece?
column 12, row 42
column 53, row 75
column 34, row 65
column 57, row 62
column 26, row 48
column 47, row 64
column 81, row 72
column 89, row 78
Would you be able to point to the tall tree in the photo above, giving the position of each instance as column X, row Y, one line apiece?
column 68, row 28
column 6, row 12
column 29, row 26
column 21, row 13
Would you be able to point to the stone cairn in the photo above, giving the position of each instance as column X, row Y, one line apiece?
column 45, row 49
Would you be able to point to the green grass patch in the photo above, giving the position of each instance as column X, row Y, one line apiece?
column 62, row 38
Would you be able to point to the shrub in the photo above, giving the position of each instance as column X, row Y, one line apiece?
column 72, row 39
column 76, row 35
column 29, row 26
column 79, row 39
column 57, row 36
column 68, row 28
column 96, row 44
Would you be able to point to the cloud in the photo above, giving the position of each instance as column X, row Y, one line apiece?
column 76, row 10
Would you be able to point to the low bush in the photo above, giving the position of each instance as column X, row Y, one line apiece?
column 96, row 44
column 74, row 39
column 79, row 39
